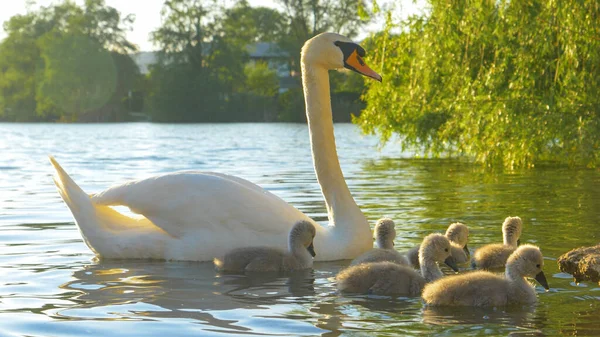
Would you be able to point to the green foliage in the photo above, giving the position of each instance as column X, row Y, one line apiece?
column 18, row 60
column 256, row 100
column 291, row 106
column 198, row 68
column 68, row 62
column 307, row 18
column 260, row 80
column 179, row 94
column 78, row 76
column 499, row 81
column 65, row 62
column 246, row 24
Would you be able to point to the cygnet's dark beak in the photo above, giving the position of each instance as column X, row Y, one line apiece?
column 451, row 262
column 518, row 242
column 466, row 250
column 541, row 278
column 311, row 250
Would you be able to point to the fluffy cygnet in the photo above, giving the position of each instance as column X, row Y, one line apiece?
column 494, row 255
column 385, row 233
column 483, row 288
column 458, row 234
column 386, row 278
column 263, row 259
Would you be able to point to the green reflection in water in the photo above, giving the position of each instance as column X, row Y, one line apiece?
column 559, row 208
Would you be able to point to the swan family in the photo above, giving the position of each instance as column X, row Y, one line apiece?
column 199, row 216
column 204, row 216
column 385, row 271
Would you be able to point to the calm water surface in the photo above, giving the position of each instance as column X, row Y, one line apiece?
column 51, row 285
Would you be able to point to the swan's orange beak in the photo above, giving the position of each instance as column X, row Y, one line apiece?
column 356, row 63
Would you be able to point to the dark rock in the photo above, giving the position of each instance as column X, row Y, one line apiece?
column 583, row 263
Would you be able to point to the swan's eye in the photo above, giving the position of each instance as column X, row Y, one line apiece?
column 537, row 265
column 446, row 250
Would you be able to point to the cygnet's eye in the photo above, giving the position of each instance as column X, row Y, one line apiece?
column 537, row 265
column 446, row 250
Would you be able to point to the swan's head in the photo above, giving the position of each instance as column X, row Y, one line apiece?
column 436, row 248
column 511, row 230
column 335, row 51
column 458, row 233
column 527, row 261
column 303, row 232
column 385, row 233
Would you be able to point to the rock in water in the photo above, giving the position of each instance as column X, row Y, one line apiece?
column 583, row 263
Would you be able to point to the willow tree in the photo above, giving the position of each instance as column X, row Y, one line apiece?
column 503, row 82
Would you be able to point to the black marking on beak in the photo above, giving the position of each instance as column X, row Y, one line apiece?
column 518, row 242
column 451, row 262
column 349, row 47
column 466, row 250
column 311, row 250
column 541, row 278
column 353, row 54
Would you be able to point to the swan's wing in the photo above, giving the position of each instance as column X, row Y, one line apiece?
column 182, row 202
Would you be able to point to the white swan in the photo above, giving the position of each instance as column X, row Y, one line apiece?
column 201, row 215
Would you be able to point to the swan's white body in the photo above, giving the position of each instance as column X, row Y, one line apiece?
column 202, row 215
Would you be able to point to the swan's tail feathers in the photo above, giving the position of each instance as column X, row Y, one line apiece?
column 78, row 202
column 102, row 226
column 66, row 186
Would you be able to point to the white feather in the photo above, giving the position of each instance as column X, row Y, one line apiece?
column 202, row 215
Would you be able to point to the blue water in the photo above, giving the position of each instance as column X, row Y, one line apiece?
column 51, row 284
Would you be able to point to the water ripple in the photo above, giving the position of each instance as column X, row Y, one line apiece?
column 51, row 284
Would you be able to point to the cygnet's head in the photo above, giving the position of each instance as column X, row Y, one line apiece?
column 436, row 247
column 334, row 51
column 458, row 233
column 385, row 233
column 511, row 230
column 303, row 232
column 527, row 261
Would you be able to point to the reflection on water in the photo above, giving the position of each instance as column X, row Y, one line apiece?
column 180, row 290
column 519, row 317
column 52, row 285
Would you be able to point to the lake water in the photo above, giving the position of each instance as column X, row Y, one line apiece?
column 51, row 285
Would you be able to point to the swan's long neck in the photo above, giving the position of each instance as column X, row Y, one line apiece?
column 339, row 201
